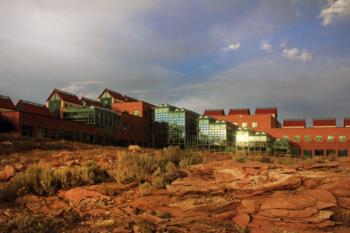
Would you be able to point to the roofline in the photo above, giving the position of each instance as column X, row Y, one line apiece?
column 64, row 92
column 324, row 119
column 239, row 109
column 31, row 103
column 178, row 108
column 266, row 108
column 294, row 119
column 5, row 97
column 214, row 109
column 109, row 90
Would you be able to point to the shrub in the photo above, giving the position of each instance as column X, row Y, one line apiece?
column 240, row 159
column 145, row 188
column 158, row 168
column 265, row 159
column 29, row 224
column 44, row 180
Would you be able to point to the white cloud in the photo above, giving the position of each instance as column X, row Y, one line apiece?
column 335, row 9
column 265, row 46
column 305, row 56
column 233, row 46
column 296, row 54
column 283, row 43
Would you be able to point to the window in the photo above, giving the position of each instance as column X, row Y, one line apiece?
column 330, row 138
column 125, row 126
column 318, row 138
column 136, row 113
column 307, row 153
column 244, row 124
column 285, row 137
column 132, row 126
column 343, row 153
column 235, row 123
column 307, row 139
column 296, row 138
column 254, row 124
column 342, row 138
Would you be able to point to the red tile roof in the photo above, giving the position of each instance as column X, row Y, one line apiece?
column 6, row 103
column 347, row 122
column 91, row 102
column 29, row 107
column 271, row 111
column 294, row 123
column 325, row 122
column 239, row 111
column 214, row 112
column 118, row 95
column 66, row 96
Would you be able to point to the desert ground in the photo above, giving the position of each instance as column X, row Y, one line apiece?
column 60, row 186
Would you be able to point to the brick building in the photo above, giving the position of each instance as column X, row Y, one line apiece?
column 321, row 139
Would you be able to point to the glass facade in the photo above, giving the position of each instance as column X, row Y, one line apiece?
column 248, row 141
column 96, row 116
column 215, row 135
column 174, row 126
column 281, row 147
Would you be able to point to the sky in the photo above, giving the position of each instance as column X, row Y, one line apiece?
column 197, row 54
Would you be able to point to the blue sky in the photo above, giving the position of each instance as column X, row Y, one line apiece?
column 198, row 54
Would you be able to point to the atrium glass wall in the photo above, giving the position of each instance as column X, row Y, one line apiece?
column 250, row 142
column 174, row 126
column 282, row 147
column 215, row 135
column 99, row 117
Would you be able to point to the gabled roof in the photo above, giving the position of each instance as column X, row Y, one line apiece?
column 214, row 112
column 294, row 123
column 6, row 103
column 90, row 102
column 270, row 110
column 117, row 95
column 326, row 122
column 65, row 96
column 239, row 111
column 30, row 107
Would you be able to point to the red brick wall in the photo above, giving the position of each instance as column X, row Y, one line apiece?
column 264, row 121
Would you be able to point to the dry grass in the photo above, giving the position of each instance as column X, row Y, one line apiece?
column 29, row 223
column 42, row 179
column 159, row 168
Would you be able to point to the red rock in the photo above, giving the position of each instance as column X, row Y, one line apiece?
column 242, row 220
column 7, row 172
column 344, row 202
column 324, row 198
column 282, row 184
column 325, row 224
column 79, row 194
column 285, row 213
column 321, row 165
column 288, row 202
column 247, row 206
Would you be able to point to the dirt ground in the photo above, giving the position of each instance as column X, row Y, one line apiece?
column 220, row 195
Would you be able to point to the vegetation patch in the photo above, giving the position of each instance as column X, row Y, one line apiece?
column 158, row 169
column 28, row 223
column 42, row 179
